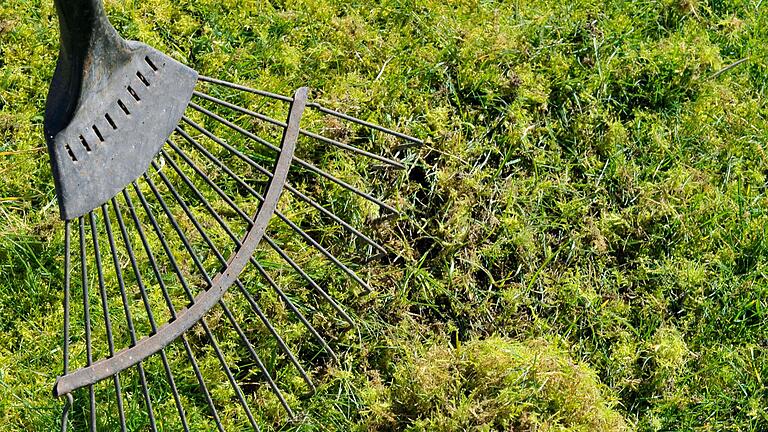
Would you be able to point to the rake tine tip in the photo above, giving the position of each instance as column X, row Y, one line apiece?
column 377, row 256
column 65, row 414
column 399, row 165
column 392, row 212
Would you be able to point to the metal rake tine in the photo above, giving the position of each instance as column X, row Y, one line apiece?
column 180, row 232
column 337, row 219
column 298, row 160
column 65, row 412
column 87, row 319
column 118, row 271
column 153, row 262
column 155, row 269
column 293, row 190
column 345, row 185
column 208, row 332
column 65, row 305
column 311, row 105
column 201, row 381
column 231, row 317
column 121, row 282
column 271, row 243
column 252, row 260
column 304, row 132
column 174, row 390
column 364, row 123
column 245, row 292
column 260, row 116
column 309, row 280
column 294, row 309
column 244, row 88
column 259, row 363
column 277, row 248
column 255, row 307
column 134, row 262
column 126, row 307
column 325, row 252
column 107, row 320
column 191, row 356
column 214, row 186
column 218, row 162
column 196, row 191
column 279, row 214
column 227, row 146
column 220, row 356
column 147, row 398
column 228, row 372
column 210, row 182
column 232, row 126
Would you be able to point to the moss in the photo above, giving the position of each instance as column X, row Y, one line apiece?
column 495, row 384
column 594, row 174
column 669, row 353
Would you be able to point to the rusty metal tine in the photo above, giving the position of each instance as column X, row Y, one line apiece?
column 231, row 317
column 107, row 320
column 200, row 196
column 298, row 160
column 87, row 319
column 306, row 133
column 279, row 214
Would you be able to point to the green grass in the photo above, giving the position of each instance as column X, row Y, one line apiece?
column 584, row 232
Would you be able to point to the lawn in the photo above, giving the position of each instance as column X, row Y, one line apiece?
column 582, row 244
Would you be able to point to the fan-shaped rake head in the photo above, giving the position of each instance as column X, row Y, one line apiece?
column 175, row 188
column 153, row 336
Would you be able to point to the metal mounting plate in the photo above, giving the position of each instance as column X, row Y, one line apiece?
column 117, row 131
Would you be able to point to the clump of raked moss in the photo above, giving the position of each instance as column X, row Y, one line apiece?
column 495, row 384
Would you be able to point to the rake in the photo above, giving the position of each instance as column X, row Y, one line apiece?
column 173, row 184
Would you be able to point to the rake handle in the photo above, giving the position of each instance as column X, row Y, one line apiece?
column 79, row 22
column 87, row 43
